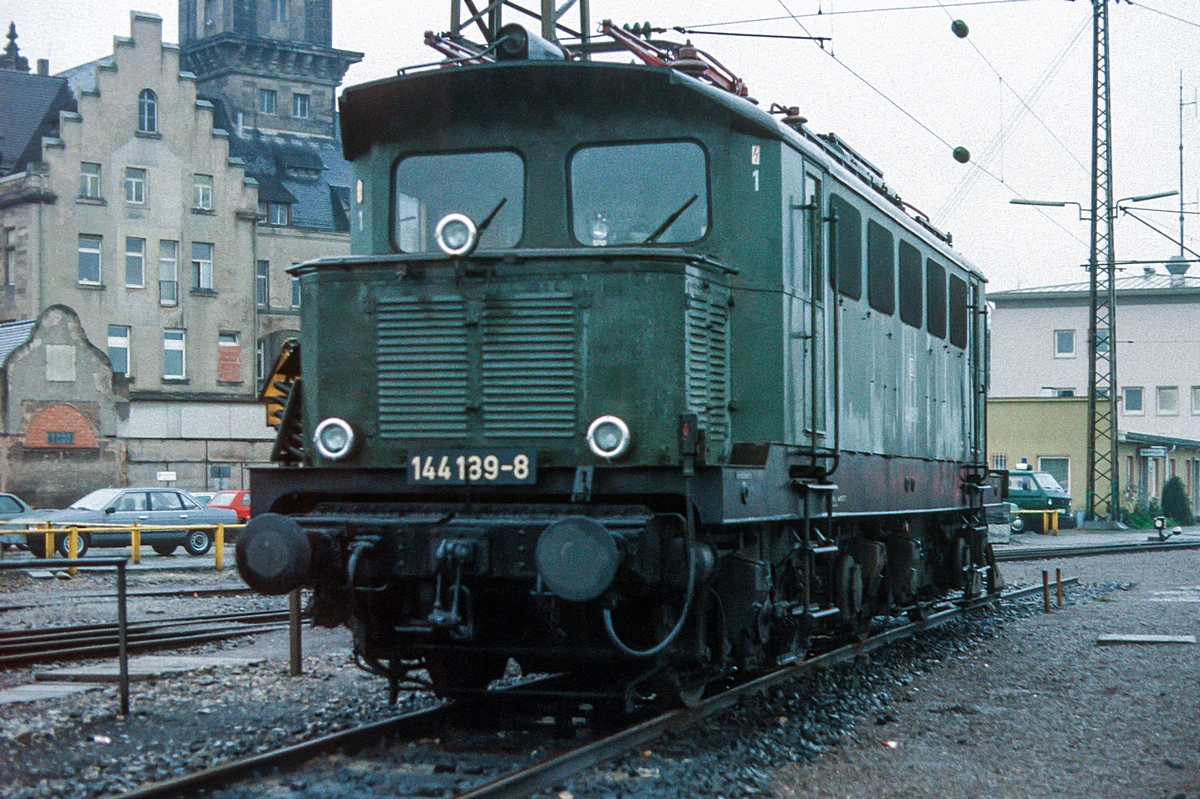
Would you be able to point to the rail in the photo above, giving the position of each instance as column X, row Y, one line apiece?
column 122, row 618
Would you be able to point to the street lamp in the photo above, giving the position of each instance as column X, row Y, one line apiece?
column 1102, row 355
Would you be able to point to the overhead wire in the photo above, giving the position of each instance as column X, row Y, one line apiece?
column 877, row 10
column 1165, row 14
column 980, row 167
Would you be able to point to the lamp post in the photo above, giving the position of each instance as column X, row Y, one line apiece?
column 1102, row 357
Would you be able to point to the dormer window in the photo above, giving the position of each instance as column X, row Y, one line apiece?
column 147, row 112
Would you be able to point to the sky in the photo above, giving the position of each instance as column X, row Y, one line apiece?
column 895, row 83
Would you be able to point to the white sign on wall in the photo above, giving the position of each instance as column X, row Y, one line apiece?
column 165, row 477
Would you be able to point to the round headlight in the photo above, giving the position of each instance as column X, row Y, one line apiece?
column 334, row 438
column 456, row 234
column 608, row 437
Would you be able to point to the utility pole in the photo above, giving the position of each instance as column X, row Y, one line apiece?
column 489, row 19
column 1102, row 339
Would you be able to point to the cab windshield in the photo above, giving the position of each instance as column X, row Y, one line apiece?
column 631, row 194
column 1047, row 481
column 427, row 187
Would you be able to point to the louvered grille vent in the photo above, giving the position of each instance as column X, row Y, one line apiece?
column 708, row 364
column 528, row 367
column 422, row 366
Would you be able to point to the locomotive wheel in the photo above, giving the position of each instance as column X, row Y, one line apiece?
column 849, row 588
column 462, row 673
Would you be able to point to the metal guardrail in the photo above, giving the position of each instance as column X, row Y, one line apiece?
column 1049, row 518
column 50, row 529
column 122, row 619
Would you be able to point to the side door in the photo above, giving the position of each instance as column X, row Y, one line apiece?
column 806, row 314
column 129, row 508
column 167, row 508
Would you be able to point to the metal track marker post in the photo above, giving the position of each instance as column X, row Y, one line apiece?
column 1045, row 591
column 122, row 643
column 294, row 633
column 72, row 548
column 220, row 545
column 1058, row 583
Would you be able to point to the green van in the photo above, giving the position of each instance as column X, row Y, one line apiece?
column 1030, row 490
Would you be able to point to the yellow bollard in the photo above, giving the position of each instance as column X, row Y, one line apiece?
column 72, row 548
column 49, row 541
column 135, row 541
column 220, row 545
column 1054, row 521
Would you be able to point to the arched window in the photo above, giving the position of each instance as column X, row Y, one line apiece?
column 147, row 112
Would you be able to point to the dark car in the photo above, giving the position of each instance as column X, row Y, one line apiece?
column 127, row 506
column 1030, row 490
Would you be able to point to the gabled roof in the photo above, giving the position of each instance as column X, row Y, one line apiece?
column 29, row 106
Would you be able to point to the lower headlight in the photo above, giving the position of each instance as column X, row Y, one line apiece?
column 456, row 234
column 608, row 437
column 334, row 438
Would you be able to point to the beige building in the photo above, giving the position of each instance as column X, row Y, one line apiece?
column 164, row 222
column 1037, row 406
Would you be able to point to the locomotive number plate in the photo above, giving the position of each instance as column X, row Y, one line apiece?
column 477, row 466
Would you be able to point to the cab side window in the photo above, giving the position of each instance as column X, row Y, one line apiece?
column 165, row 500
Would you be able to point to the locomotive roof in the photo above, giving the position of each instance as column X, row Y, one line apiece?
column 583, row 87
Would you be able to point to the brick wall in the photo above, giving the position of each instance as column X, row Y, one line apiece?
column 60, row 419
column 229, row 363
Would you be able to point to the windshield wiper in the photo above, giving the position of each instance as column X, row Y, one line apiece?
column 670, row 220
column 487, row 220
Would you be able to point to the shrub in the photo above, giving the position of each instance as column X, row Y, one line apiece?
column 1175, row 505
column 1141, row 515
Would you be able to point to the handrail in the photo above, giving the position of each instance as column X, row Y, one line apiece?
column 49, row 529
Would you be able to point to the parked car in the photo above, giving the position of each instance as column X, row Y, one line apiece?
column 127, row 506
column 204, row 497
column 1030, row 490
column 12, row 506
column 237, row 501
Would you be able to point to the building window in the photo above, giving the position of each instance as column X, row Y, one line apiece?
column 1059, row 468
column 135, row 185
column 89, row 180
column 260, row 360
column 118, row 348
column 1135, row 399
column 89, row 258
column 999, row 461
column 202, row 186
column 279, row 10
column 147, row 112
column 266, row 101
column 202, row 265
column 229, row 357
column 276, row 214
column 168, row 273
column 60, row 437
column 1168, row 400
column 300, row 106
column 135, row 262
column 174, row 360
column 262, row 284
column 1196, row 400
column 295, row 292
column 1064, row 343
column 9, row 255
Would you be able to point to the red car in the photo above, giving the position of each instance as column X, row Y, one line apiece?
column 238, row 501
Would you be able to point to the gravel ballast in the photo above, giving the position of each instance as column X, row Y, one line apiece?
column 1012, row 703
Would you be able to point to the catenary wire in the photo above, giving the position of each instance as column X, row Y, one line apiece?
column 856, row 11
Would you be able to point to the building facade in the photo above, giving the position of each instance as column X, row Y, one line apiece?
column 164, row 221
column 1039, row 381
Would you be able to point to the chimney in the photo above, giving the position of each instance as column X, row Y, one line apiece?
column 43, row 66
column 1177, row 265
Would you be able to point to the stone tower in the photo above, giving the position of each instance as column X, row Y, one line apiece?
column 271, row 62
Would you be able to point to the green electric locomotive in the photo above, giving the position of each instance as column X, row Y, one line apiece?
column 627, row 379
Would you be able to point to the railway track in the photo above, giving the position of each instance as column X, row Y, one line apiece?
column 522, row 778
column 22, row 647
column 1042, row 553
column 162, row 593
